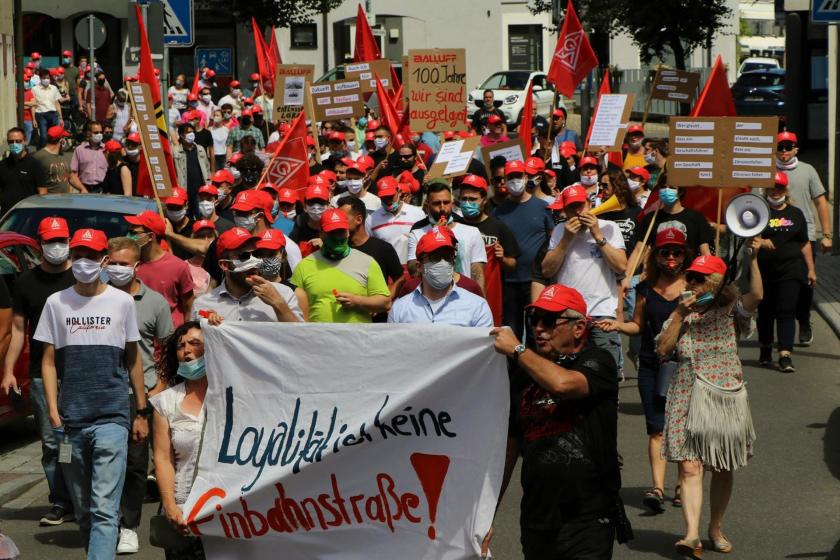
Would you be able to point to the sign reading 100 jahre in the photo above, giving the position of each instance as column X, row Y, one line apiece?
column 437, row 88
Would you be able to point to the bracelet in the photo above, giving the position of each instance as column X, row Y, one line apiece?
column 827, row 236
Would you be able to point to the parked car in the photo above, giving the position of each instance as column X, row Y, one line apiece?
column 18, row 253
column 760, row 92
column 98, row 211
column 509, row 87
column 757, row 63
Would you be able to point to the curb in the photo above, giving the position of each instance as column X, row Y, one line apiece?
column 15, row 488
column 829, row 315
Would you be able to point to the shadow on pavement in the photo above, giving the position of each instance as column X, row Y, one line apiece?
column 32, row 513
column 831, row 444
column 631, row 408
column 64, row 538
column 652, row 542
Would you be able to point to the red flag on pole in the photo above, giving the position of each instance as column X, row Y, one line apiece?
column 387, row 113
column 289, row 166
column 716, row 99
column 146, row 74
column 274, row 51
column 573, row 57
column 263, row 62
column 194, row 89
column 526, row 124
column 365, row 48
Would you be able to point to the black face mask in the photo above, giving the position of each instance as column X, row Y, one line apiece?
column 406, row 163
column 245, row 121
column 250, row 177
column 107, row 136
column 101, row 82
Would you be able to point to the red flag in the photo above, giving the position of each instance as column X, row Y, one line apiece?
column 387, row 113
column 289, row 166
column 263, row 62
column 397, row 100
column 146, row 75
column 274, row 50
column 493, row 281
column 573, row 57
column 526, row 124
column 194, row 89
column 144, row 183
column 365, row 48
column 716, row 99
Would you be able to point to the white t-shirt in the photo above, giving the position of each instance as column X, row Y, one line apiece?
column 293, row 254
column 372, row 202
column 585, row 269
column 470, row 246
column 395, row 228
column 45, row 98
column 219, row 134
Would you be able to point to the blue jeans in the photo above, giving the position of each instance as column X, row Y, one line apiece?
column 95, row 477
column 45, row 120
column 59, row 495
column 635, row 342
column 27, row 131
column 609, row 341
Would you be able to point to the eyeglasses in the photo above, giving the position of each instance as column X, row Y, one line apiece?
column 670, row 252
column 785, row 147
column 406, row 156
column 14, row 141
column 695, row 278
column 548, row 318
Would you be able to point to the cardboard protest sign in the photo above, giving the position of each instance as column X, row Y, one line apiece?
column 722, row 151
column 510, row 150
column 453, row 159
column 366, row 73
column 144, row 112
column 319, row 456
column 290, row 89
column 437, row 89
column 610, row 123
column 675, row 85
column 340, row 99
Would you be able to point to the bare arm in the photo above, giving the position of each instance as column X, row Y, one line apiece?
column 5, row 330
column 554, row 259
column 371, row 304
column 821, row 203
column 751, row 299
column 13, row 353
column 140, row 429
column 164, row 457
column 303, row 302
column 49, row 375
column 185, row 303
column 76, row 182
column 477, row 273
column 671, row 333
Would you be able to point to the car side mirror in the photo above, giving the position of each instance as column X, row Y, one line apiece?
column 536, row 88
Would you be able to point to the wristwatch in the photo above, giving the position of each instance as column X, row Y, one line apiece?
column 827, row 236
column 601, row 242
column 518, row 350
column 145, row 412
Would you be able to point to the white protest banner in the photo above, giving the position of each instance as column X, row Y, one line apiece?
column 610, row 121
column 322, row 442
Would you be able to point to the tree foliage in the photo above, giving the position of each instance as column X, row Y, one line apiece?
column 280, row 13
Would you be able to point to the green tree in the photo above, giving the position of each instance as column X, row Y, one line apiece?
column 280, row 13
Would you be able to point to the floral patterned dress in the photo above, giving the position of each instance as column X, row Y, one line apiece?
column 708, row 347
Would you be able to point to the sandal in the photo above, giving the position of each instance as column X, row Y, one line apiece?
column 677, row 501
column 690, row 549
column 654, row 500
column 721, row 544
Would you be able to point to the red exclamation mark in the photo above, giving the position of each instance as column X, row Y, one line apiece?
column 431, row 470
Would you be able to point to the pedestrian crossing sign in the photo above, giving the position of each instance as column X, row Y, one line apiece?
column 178, row 23
column 825, row 11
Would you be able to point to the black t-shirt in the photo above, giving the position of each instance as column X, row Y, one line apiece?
column 384, row 255
column 492, row 230
column 536, row 271
column 211, row 263
column 788, row 231
column 204, row 138
column 222, row 225
column 657, row 311
column 302, row 231
column 569, row 455
column 186, row 231
column 626, row 221
column 32, row 288
column 479, row 118
column 19, row 178
column 696, row 228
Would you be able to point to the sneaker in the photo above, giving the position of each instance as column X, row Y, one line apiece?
column 128, row 542
column 765, row 356
column 56, row 516
column 806, row 335
column 786, row 364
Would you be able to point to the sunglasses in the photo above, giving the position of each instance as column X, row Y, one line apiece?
column 695, row 278
column 670, row 252
column 498, row 179
column 785, row 147
column 406, row 156
column 547, row 318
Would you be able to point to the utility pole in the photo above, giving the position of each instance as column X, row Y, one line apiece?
column 326, row 34
column 833, row 188
column 18, row 26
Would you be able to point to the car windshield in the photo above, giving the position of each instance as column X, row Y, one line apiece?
column 507, row 80
column 750, row 66
column 26, row 220
column 761, row 79
column 11, row 256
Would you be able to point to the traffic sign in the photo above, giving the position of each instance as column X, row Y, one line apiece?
column 83, row 33
column 219, row 59
column 178, row 29
column 825, row 11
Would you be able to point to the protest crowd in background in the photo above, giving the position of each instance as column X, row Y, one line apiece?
column 362, row 234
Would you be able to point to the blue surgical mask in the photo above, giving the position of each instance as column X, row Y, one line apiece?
column 362, row 122
column 668, row 196
column 276, row 208
column 705, row 299
column 470, row 209
column 16, row 148
column 193, row 369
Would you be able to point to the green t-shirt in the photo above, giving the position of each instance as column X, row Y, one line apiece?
column 318, row 276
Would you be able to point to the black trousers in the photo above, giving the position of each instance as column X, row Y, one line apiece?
column 515, row 296
column 136, row 469
column 579, row 540
column 778, row 307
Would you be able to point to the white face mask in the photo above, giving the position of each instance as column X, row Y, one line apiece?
column 132, row 153
column 189, row 137
column 515, row 186
column 351, row 145
column 776, row 202
column 635, row 144
column 120, row 275
column 634, row 185
column 176, row 215
column 650, row 158
column 235, row 172
column 96, row 138
column 244, row 266
column 206, row 208
column 380, row 143
column 86, row 271
column 439, row 275
column 217, row 119
column 248, row 222
column 588, row 181
column 206, row 98
column 314, row 211
column 354, row 186
column 56, row 252
column 290, row 215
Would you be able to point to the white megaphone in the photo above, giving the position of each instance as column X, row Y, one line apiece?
column 747, row 215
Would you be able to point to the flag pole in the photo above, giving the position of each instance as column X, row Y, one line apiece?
column 631, row 268
column 717, row 223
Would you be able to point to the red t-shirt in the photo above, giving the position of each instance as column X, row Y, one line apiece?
column 27, row 111
column 171, row 278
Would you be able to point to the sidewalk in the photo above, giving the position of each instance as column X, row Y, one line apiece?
column 827, row 292
column 20, row 470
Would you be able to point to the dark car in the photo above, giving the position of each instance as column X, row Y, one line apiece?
column 98, row 211
column 760, row 92
column 18, row 253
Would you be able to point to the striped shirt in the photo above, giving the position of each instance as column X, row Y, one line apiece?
column 395, row 228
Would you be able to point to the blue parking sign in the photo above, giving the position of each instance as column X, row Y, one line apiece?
column 825, row 11
column 178, row 23
column 219, row 59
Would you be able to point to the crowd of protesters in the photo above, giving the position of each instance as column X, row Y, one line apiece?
column 117, row 352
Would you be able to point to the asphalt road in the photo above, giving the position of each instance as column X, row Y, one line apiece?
column 786, row 503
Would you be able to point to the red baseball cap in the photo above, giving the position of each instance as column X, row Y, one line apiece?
column 246, row 201
column 369, row 136
column 90, row 238
column 203, row 224
column 781, row 179
column 357, row 167
column 234, row 83
column 256, row 109
column 640, row 172
column 310, row 141
column 233, row 239
column 475, row 181
column 550, row 173
column 365, row 161
column 255, row 77
column 52, row 228
column 334, row 219
column 179, row 197
column 635, row 128
column 514, row 166
column 557, row 204
column 786, row 137
column 335, row 136
column 534, row 165
column 247, row 112
column 329, row 176
column 434, row 239
column 318, row 180
column 287, row 195
column 210, row 72
column 707, row 264
column 567, row 148
column 248, row 101
column 35, row 56
column 268, row 186
column 494, row 119
column 149, row 220
column 208, row 189
column 134, row 138
column 272, row 239
column 372, row 125
column 560, row 111
column 558, row 298
column 387, row 186
column 449, row 134
column 573, row 193
column 284, row 128
column 56, row 132
column 670, row 236
column 316, row 192
column 112, row 146
column 67, row 53
column 406, row 178
column 588, row 160
column 223, row 176
column 192, row 97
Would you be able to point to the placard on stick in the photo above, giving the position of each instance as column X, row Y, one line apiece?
column 610, row 122
column 675, row 85
column 290, row 89
column 453, row 159
column 340, row 99
column 510, row 150
column 722, row 151
column 437, row 89
column 144, row 112
column 366, row 73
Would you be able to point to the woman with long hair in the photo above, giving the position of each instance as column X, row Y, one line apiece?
column 177, row 424
column 118, row 176
column 708, row 424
